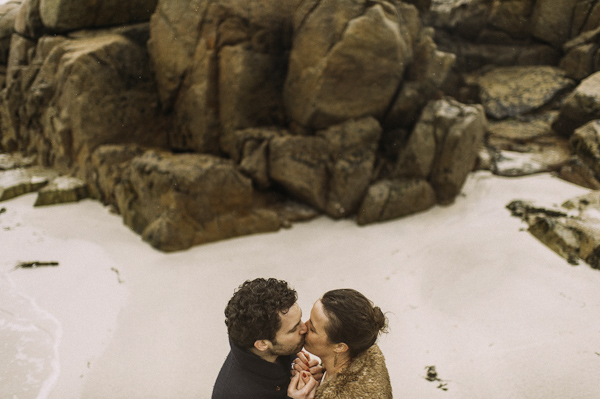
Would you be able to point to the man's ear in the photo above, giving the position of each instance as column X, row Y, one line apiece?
column 341, row 348
column 262, row 344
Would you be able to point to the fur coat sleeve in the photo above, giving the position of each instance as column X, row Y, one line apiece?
column 366, row 377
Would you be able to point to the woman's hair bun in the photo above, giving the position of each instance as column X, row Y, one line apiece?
column 381, row 322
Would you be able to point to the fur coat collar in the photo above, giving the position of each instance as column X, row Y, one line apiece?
column 366, row 377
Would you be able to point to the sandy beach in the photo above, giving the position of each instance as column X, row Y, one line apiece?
column 465, row 287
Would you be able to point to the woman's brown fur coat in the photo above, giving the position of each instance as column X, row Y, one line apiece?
column 366, row 377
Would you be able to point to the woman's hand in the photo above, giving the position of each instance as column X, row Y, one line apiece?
column 302, row 386
column 304, row 362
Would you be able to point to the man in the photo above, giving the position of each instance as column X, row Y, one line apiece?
column 265, row 328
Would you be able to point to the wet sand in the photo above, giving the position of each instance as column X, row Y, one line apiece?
column 466, row 289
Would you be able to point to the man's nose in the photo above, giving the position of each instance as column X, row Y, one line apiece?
column 303, row 328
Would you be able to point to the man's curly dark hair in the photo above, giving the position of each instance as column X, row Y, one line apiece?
column 253, row 312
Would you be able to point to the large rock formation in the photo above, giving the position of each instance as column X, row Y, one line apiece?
column 199, row 120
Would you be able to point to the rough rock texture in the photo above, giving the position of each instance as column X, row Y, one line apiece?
column 484, row 32
column 526, row 144
column 585, row 143
column 68, row 15
column 332, row 170
column 343, row 105
column 108, row 163
column 29, row 22
column 390, row 199
column 443, row 146
column 15, row 182
column 581, row 55
column 219, row 62
column 61, row 190
column 14, row 161
column 512, row 91
column 176, row 201
column 8, row 15
column 571, row 230
column 76, row 94
column 581, row 106
column 549, row 22
column 347, row 59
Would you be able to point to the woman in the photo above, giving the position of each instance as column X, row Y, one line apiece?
column 342, row 331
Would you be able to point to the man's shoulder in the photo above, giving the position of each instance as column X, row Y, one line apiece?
column 237, row 381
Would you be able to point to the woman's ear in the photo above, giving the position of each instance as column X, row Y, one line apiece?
column 341, row 348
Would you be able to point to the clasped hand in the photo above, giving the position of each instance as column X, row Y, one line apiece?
column 306, row 374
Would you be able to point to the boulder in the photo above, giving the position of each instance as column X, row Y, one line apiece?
column 15, row 182
column 551, row 21
column 457, row 130
column 82, row 93
column 580, row 106
column 8, row 15
column 473, row 56
column 215, row 58
column 571, row 230
column 249, row 90
column 61, row 190
column 465, row 17
column 29, row 22
column 585, row 144
column 250, row 148
column 424, row 76
column 516, row 163
column 347, row 60
column 577, row 172
column 581, row 55
column 512, row 17
column 527, row 145
column 330, row 171
column 507, row 92
column 179, row 200
column 14, row 161
column 391, row 199
column 68, row 15
column 107, row 165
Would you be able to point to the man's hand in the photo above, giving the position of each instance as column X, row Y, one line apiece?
column 302, row 386
column 304, row 362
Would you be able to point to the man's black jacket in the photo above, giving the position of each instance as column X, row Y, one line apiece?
column 245, row 375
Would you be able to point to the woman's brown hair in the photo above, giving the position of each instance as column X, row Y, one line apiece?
column 353, row 319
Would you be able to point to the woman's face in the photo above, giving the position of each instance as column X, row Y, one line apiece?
column 316, row 341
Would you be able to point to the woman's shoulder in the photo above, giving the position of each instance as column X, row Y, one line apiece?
column 365, row 377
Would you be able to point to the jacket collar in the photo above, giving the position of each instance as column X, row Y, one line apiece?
column 257, row 365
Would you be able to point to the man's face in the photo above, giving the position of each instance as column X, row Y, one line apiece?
column 290, row 337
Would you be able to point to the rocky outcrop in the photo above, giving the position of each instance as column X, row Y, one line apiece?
column 220, row 67
column 217, row 117
column 8, row 14
column 585, row 144
column 508, row 92
column 176, row 201
column 443, row 147
column 19, row 181
column 61, row 16
column 571, row 230
column 76, row 94
column 391, row 199
column 581, row 106
column 347, row 60
column 331, row 170
column 60, row 190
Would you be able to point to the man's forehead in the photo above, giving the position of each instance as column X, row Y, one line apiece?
column 291, row 316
